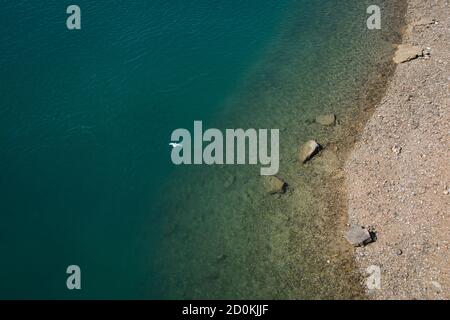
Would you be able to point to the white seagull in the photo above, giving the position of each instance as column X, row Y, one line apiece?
column 175, row 145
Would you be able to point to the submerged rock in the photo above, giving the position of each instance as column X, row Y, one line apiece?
column 221, row 257
column 407, row 52
column 309, row 150
column 229, row 181
column 328, row 163
column 326, row 119
column 358, row 236
column 275, row 185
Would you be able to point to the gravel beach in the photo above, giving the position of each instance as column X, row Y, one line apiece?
column 398, row 174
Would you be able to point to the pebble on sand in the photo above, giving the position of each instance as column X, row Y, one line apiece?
column 309, row 150
column 358, row 236
column 436, row 286
column 425, row 21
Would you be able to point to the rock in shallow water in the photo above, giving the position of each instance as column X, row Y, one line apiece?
column 309, row 150
column 275, row 185
column 229, row 181
column 358, row 236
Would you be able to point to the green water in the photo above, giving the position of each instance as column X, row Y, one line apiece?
column 85, row 121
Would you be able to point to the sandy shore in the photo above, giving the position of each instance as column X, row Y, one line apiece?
column 398, row 175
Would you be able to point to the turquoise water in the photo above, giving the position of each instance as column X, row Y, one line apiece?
column 85, row 121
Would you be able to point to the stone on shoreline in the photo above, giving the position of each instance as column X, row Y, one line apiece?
column 358, row 236
column 309, row 150
column 275, row 185
column 407, row 52
column 326, row 119
column 424, row 22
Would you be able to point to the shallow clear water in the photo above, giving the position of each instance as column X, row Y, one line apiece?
column 86, row 116
column 225, row 237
